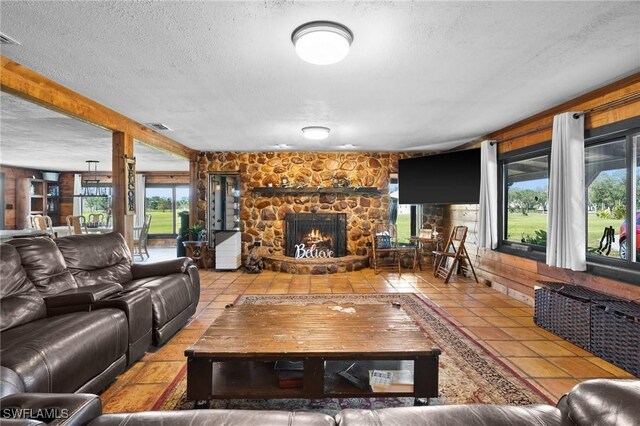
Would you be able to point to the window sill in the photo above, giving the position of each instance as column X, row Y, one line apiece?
column 533, row 254
column 628, row 274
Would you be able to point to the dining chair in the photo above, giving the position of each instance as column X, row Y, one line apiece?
column 385, row 245
column 454, row 252
column 30, row 223
column 140, row 242
column 95, row 219
column 43, row 223
column 77, row 225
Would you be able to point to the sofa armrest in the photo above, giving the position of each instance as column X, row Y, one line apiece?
column 605, row 402
column 82, row 295
column 166, row 267
column 52, row 408
column 10, row 382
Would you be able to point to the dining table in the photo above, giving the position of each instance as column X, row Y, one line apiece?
column 63, row 231
column 6, row 235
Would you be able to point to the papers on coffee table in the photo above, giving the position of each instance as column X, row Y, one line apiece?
column 391, row 380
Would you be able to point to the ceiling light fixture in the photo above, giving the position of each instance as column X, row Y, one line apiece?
column 281, row 146
column 348, row 146
column 322, row 42
column 315, row 133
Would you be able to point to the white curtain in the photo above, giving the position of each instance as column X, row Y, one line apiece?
column 488, row 210
column 77, row 190
column 566, row 239
column 140, row 196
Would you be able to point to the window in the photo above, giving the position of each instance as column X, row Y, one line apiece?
column 526, row 194
column 98, row 205
column 163, row 203
column 612, row 182
column 606, row 181
column 408, row 217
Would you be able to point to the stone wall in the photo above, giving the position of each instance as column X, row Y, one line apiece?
column 262, row 215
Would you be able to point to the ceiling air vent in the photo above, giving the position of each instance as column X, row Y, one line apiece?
column 158, row 126
column 5, row 39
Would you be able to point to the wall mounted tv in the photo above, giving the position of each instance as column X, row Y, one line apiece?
column 451, row 178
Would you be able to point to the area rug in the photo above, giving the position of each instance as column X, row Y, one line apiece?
column 468, row 373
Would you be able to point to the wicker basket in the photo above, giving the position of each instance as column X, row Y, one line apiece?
column 562, row 315
column 578, row 292
column 615, row 334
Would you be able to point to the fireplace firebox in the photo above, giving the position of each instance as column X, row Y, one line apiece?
column 315, row 235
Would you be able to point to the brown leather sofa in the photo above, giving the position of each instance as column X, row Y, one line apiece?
column 75, row 312
column 174, row 285
column 598, row 402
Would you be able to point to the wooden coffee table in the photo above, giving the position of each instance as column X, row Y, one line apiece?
column 235, row 356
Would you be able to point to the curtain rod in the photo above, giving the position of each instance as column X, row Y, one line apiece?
column 631, row 97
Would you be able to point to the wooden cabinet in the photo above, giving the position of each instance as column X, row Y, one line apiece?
column 36, row 196
column 228, row 250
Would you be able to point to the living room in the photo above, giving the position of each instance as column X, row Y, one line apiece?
column 538, row 295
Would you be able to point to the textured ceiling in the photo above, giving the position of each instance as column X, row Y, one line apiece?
column 35, row 137
column 420, row 75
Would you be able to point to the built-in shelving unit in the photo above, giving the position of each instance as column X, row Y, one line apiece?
column 224, row 220
column 36, row 196
column 315, row 190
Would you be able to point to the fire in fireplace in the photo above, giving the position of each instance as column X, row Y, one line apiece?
column 315, row 235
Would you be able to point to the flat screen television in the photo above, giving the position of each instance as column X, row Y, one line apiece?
column 451, row 178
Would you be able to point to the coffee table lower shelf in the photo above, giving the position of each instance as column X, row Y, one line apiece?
column 210, row 378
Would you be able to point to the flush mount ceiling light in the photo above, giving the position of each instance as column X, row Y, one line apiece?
column 322, row 42
column 281, row 146
column 315, row 133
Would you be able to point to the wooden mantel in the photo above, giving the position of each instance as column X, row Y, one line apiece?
column 29, row 85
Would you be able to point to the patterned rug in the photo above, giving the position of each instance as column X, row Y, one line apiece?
column 468, row 373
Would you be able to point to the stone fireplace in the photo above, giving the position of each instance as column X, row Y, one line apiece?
column 315, row 235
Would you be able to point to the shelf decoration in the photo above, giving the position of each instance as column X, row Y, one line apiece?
column 130, row 184
column 316, row 190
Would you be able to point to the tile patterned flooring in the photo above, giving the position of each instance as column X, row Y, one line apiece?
column 501, row 324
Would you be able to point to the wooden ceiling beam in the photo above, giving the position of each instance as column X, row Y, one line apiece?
column 27, row 84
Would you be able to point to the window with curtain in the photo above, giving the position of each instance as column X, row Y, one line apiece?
column 612, row 188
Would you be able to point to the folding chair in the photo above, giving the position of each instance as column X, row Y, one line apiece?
column 448, row 260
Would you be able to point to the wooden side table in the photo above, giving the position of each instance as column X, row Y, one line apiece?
column 197, row 250
column 434, row 242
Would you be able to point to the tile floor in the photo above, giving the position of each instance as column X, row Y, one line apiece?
column 502, row 325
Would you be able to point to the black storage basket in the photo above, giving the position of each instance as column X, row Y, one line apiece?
column 563, row 315
column 615, row 334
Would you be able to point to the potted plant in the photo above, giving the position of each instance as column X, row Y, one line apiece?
column 195, row 231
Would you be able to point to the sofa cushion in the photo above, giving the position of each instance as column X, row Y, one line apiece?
column 170, row 295
column 62, row 353
column 453, row 415
column 97, row 258
column 20, row 302
column 215, row 417
column 604, row 402
column 44, row 265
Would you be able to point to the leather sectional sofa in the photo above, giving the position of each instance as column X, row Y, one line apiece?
column 75, row 311
column 595, row 402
